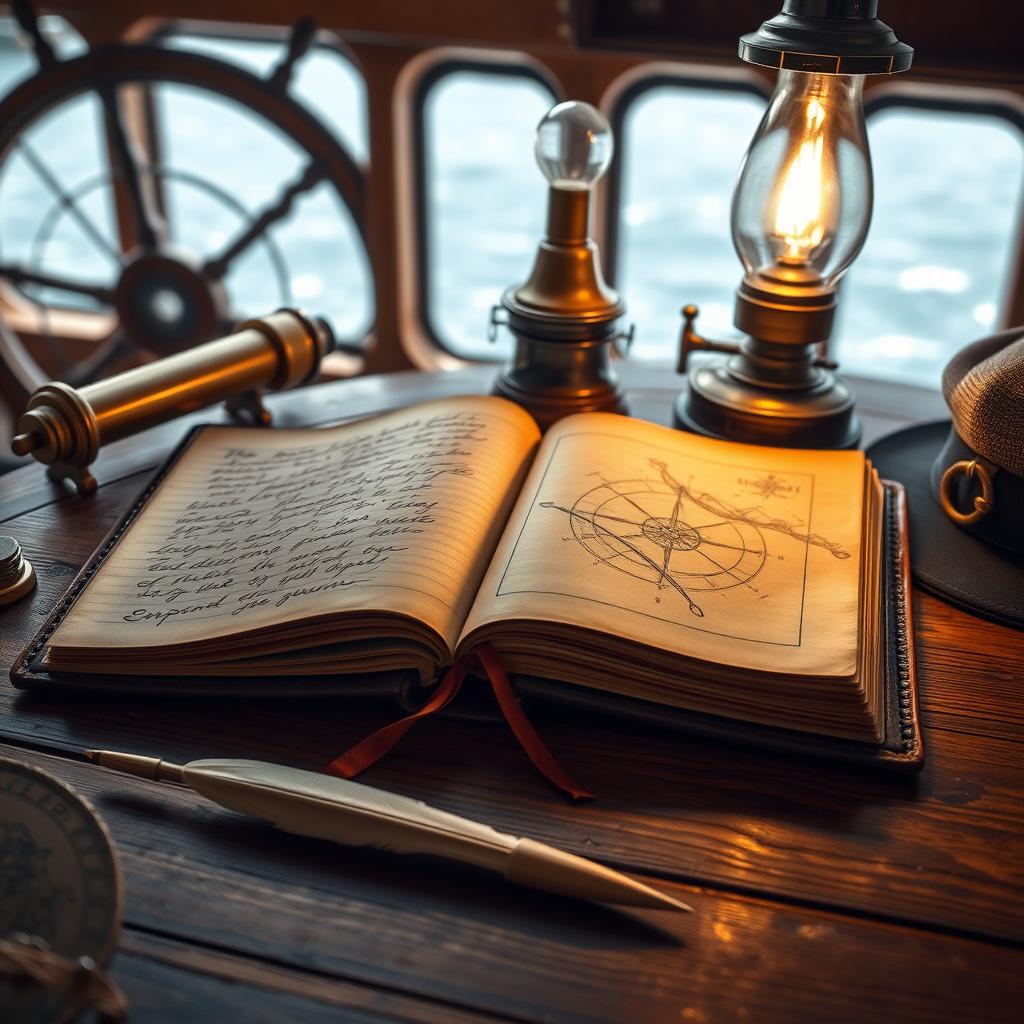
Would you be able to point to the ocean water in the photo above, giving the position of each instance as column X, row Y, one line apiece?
column 932, row 276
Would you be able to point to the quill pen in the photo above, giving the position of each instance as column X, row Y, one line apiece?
column 323, row 807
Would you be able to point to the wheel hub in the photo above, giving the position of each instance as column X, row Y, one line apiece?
column 166, row 305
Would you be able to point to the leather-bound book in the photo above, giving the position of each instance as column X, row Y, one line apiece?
column 624, row 564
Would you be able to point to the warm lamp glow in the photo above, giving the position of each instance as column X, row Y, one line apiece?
column 799, row 209
column 804, row 194
column 800, row 215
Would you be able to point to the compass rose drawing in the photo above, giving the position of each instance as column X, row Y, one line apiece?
column 676, row 537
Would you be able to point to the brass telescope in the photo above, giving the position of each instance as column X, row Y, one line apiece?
column 64, row 427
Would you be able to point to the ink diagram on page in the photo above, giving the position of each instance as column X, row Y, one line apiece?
column 704, row 545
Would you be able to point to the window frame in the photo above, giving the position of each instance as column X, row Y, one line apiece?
column 526, row 68
column 752, row 84
column 1005, row 106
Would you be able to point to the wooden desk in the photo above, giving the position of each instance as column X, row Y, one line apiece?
column 821, row 893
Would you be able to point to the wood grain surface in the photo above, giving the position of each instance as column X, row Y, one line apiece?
column 822, row 892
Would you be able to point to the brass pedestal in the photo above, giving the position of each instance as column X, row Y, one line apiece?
column 564, row 319
column 772, row 388
column 718, row 404
column 568, row 371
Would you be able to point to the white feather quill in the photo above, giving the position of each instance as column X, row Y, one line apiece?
column 324, row 807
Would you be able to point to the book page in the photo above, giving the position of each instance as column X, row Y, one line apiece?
column 255, row 527
column 729, row 553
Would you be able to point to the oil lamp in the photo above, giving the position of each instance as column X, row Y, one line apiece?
column 564, row 317
column 800, row 214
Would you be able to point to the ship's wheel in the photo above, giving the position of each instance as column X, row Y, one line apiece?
column 652, row 530
column 150, row 296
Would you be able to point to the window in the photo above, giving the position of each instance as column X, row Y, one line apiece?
column 65, row 147
column 934, row 272
column 61, row 151
column 484, row 197
column 17, row 60
column 680, row 147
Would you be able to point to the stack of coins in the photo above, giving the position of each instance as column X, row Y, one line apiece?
column 17, row 577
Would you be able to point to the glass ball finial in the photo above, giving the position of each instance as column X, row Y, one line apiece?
column 574, row 145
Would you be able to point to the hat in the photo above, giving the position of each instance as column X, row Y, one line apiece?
column 965, row 482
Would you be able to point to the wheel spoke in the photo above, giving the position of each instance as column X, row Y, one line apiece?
column 301, row 38
column 107, row 353
column 148, row 225
column 47, row 176
column 312, row 175
column 21, row 275
column 24, row 11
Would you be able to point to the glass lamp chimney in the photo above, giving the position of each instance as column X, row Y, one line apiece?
column 803, row 199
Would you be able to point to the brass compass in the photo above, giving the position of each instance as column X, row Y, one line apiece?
column 60, row 890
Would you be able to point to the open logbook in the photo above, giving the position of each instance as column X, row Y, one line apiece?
column 734, row 581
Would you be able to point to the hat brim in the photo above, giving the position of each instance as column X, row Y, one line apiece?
column 944, row 558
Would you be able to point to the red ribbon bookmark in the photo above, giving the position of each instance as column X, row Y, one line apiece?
column 484, row 659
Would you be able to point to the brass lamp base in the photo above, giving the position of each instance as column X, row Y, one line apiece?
column 564, row 319
column 553, row 396
column 772, row 388
column 718, row 404
column 556, row 377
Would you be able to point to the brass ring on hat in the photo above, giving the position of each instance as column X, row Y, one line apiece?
column 983, row 503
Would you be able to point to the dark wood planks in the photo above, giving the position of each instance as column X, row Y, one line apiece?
column 173, row 982
column 670, row 805
column 972, row 671
column 784, row 848
column 944, row 850
column 196, row 874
